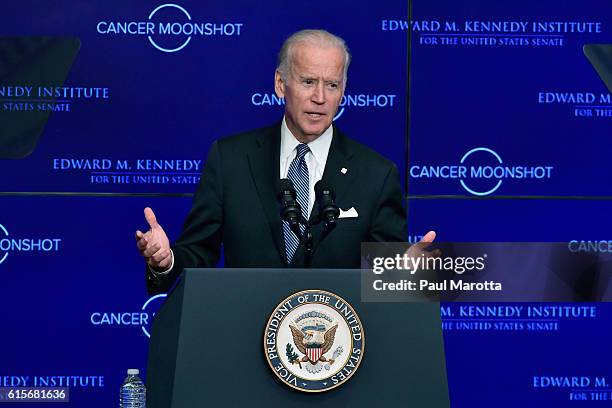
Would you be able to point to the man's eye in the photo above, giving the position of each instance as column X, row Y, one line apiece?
column 333, row 85
column 308, row 82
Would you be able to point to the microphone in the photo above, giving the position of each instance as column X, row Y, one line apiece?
column 328, row 210
column 290, row 210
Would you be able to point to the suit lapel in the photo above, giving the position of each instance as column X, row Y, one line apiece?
column 339, row 157
column 264, row 162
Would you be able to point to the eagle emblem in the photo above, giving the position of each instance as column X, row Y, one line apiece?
column 313, row 335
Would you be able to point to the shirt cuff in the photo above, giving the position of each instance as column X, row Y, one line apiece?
column 162, row 273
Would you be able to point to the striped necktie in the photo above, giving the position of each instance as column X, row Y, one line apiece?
column 298, row 174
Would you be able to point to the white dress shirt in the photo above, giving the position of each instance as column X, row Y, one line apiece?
column 315, row 159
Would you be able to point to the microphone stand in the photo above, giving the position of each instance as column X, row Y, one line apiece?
column 307, row 242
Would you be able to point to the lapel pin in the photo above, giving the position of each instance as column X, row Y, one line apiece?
column 343, row 170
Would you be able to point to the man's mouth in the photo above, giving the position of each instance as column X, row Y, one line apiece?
column 315, row 115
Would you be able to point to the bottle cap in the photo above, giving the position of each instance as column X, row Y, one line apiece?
column 133, row 371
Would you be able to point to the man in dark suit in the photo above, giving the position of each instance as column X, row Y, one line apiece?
column 236, row 202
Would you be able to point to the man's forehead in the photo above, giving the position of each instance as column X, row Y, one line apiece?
column 311, row 61
column 314, row 52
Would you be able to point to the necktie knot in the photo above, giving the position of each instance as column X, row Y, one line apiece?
column 302, row 149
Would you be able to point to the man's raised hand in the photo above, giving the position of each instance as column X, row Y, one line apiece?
column 420, row 248
column 153, row 244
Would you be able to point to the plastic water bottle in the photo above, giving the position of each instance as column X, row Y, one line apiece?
column 133, row 392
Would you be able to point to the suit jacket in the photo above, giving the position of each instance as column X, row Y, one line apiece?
column 236, row 205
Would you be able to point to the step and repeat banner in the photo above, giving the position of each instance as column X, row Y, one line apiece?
column 504, row 103
column 109, row 107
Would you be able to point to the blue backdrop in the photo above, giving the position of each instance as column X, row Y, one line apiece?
column 507, row 141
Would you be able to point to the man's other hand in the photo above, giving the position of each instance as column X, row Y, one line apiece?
column 153, row 244
column 420, row 248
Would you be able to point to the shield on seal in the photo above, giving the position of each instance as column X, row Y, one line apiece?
column 314, row 353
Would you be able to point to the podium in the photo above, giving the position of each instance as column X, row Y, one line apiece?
column 206, row 344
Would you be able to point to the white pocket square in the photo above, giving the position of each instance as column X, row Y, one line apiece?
column 352, row 213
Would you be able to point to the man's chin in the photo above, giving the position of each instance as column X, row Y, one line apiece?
column 316, row 130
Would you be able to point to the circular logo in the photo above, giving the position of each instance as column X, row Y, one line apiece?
column 468, row 154
column 314, row 341
column 184, row 44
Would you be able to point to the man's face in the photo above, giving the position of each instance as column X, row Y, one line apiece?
column 313, row 90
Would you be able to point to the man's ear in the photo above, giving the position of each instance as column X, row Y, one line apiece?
column 279, row 85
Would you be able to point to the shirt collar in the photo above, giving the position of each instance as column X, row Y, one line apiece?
column 318, row 147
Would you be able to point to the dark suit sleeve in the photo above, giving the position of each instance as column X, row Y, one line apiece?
column 388, row 222
column 199, row 245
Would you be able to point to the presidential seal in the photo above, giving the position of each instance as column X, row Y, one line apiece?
column 314, row 341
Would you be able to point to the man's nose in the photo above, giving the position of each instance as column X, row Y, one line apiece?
column 318, row 94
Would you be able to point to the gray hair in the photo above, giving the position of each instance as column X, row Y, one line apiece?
column 317, row 37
